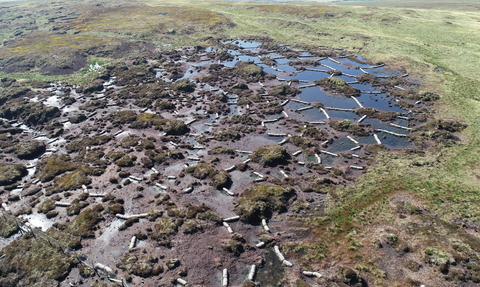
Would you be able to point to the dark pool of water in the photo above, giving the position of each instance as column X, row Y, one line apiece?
column 272, row 271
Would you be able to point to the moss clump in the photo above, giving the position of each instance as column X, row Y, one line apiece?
column 249, row 71
column 93, row 105
column 226, row 135
column 143, row 267
column 84, row 225
column 8, row 227
column 201, row 171
column 438, row 256
column 170, row 127
column 28, row 150
column 33, row 113
column 269, row 61
column 427, row 96
column 369, row 79
column 175, row 211
column 184, row 86
column 319, row 185
column 114, row 155
column 165, row 105
column 194, row 210
column 34, row 262
column 175, row 127
column 223, row 56
column 130, row 141
column 154, row 214
column 128, row 223
column 143, row 102
column 221, row 150
column 75, row 179
column 202, row 212
column 234, row 245
column 283, row 90
column 373, row 113
column 270, row 155
column 76, row 207
column 115, row 208
column 192, row 226
column 240, row 86
column 300, row 141
column 46, row 206
column 221, row 179
column 260, row 201
column 121, row 117
column 147, row 144
column 81, row 144
column 217, row 107
column 10, row 173
column 210, row 215
column 147, row 120
column 161, row 156
column 243, row 120
column 165, row 227
column 68, row 100
column 359, row 129
column 348, row 275
column 423, row 96
column 124, row 161
column 241, row 166
column 437, row 130
column 310, row 131
column 54, row 165
column 275, row 110
column 339, row 86
column 78, row 118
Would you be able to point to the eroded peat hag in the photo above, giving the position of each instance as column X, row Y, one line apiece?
column 179, row 166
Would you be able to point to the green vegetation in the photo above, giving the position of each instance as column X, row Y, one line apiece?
column 81, row 144
column 338, row 86
column 42, row 263
column 165, row 227
column 54, row 165
column 270, row 155
column 220, row 179
column 283, row 90
column 8, row 227
column 221, row 150
column 143, row 267
column 260, row 201
column 85, row 223
column 358, row 129
column 250, row 72
column 10, row 173
column 28, row 150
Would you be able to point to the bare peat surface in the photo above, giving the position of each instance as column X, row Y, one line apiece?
column 187, row 162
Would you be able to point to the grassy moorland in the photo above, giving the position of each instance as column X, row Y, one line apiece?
column 412, row 203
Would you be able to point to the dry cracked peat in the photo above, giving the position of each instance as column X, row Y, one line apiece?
column 169, row 148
